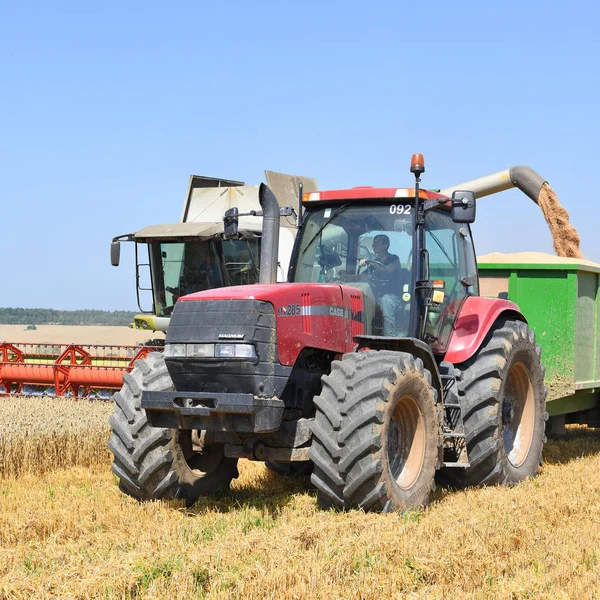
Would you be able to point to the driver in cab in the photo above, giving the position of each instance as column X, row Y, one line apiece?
column 387, row 261
column 388, row 282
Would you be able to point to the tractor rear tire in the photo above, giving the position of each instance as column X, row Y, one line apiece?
column 384, row 451
column 153, row 462
column 503, row 405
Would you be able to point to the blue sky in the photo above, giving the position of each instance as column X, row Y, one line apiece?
column 106, row 108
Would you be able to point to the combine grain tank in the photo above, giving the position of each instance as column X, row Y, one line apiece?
column 560, row 298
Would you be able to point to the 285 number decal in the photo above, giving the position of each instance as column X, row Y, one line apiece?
column 291, row 310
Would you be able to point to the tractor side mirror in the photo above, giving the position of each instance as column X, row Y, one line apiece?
column 115, row 253
column 230, row 223
column 463, row 207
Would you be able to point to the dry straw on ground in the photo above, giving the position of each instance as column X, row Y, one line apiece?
column 70, row 533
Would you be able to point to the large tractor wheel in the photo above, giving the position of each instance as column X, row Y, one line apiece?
column 153, row 462
column 503, row 404
column 384, row 452
column 324, row 449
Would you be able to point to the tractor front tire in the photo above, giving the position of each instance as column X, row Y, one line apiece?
column 153, row 462
column 384, row 450
column 503, row 405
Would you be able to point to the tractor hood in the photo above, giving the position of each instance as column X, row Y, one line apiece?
column 276, row 293
column 308, row 315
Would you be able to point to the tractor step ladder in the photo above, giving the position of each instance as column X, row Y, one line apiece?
column 451, row 405
column 448, row 435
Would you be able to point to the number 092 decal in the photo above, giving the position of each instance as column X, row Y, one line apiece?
column 400, row 209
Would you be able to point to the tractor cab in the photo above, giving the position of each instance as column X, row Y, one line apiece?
column 365, row 238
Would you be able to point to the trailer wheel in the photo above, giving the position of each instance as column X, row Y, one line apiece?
column 153, row 462
column 387, row 440
column 503, row 404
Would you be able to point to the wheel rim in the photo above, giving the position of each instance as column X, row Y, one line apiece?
column 200, row 463
column 406, row 442
column 518, row 414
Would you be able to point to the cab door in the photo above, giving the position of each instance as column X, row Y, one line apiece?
column 453, row 271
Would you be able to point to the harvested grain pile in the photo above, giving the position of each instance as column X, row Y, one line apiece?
column 43, row 434
column 564, row 235
column 535, row 258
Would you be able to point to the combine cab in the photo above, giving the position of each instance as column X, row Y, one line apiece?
column 377, row 361
column 194, row 255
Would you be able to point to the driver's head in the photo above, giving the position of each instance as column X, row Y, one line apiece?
column 381, row 243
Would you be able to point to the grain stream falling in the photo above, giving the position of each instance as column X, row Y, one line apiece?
column 564, row 235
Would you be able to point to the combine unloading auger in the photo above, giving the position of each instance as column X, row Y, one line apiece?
column 523, row 178
column 564, row 235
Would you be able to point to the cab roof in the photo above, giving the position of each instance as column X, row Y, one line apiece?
column 176, row 232
column 370, row 193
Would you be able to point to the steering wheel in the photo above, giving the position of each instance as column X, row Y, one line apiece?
column 377, row 273
column 375, row 262
column 369, row 265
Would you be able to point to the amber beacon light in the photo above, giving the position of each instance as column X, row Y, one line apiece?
column 417, row 164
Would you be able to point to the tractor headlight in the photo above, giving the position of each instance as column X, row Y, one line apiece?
column 210, row 351
column 200, row 350
column 235, row 351
column 175, row 350
column 189, row 350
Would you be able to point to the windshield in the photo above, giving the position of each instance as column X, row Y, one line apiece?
column 180, row 268
column 368, row 247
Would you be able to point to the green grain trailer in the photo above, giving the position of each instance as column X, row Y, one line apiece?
column 560, row 297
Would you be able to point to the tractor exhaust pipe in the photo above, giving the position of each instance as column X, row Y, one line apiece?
column 270, row 235
column 524, row 178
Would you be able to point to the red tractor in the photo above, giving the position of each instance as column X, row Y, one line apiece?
column 376, row 365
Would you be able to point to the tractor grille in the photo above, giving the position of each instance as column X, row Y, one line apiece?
column 227, row 321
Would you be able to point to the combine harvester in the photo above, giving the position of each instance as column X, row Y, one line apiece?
column 380, row 371
column 181, row 258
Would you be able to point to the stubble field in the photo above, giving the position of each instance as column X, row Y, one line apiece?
column 66, row 531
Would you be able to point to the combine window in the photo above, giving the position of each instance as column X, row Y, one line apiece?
column 181, row 268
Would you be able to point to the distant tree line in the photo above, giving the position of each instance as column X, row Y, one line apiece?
column 49, row 316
